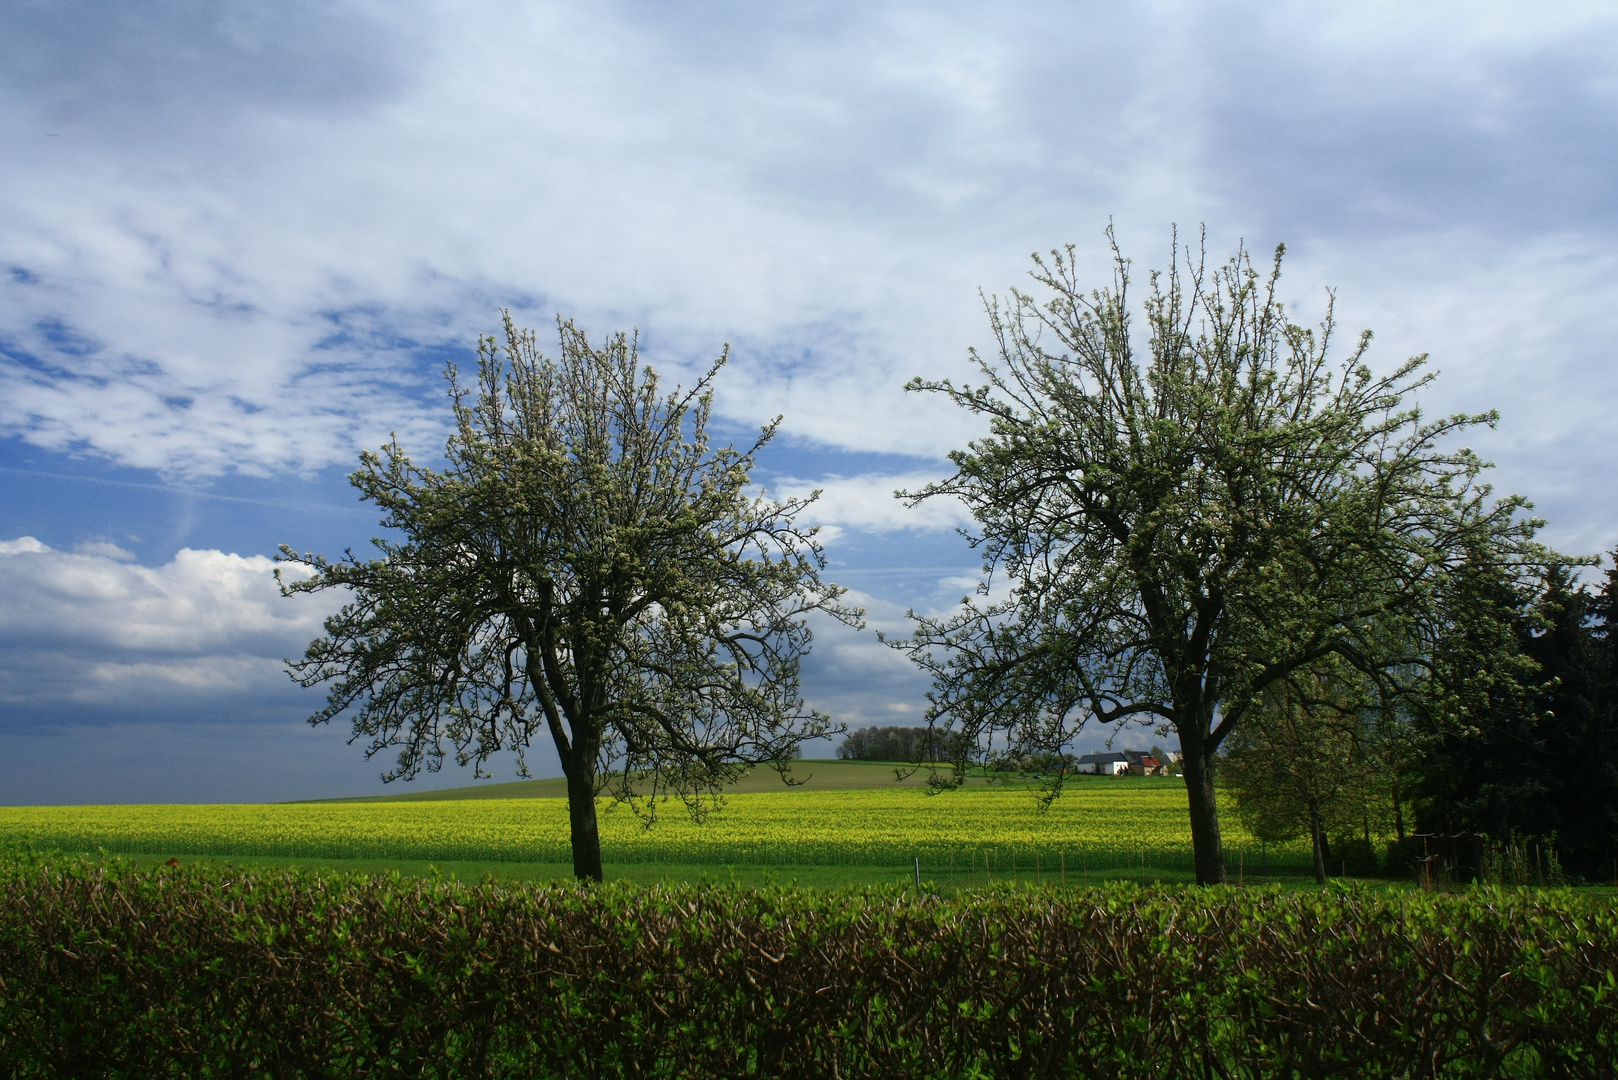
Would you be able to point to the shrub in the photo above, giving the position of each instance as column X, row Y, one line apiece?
column 113, row 971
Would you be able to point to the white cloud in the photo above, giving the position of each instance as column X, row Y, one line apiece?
column 868, row 503
column 104, row 548
column 90, row 628
column 23, row 545
column 233, row 232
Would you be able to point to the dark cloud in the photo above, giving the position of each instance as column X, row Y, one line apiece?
column 1513, row 136
column 166, row 64
column 203, row 760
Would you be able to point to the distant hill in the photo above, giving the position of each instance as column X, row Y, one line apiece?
column 817, row 775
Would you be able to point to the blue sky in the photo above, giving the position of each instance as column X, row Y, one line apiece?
column 238, row 243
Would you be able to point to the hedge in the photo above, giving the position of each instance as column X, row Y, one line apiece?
column 112, row 970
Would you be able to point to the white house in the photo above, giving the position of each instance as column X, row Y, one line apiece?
column 1104, row 764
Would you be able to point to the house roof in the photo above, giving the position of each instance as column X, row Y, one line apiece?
column 1102, row 759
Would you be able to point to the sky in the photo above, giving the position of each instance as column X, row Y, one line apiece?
column 239, row 243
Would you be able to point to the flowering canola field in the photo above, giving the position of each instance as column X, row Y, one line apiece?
column 1093, row 824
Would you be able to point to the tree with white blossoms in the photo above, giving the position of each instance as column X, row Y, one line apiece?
column 1187, row 517
column 586, row 565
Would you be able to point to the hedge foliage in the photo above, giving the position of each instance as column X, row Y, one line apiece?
column 114, row 970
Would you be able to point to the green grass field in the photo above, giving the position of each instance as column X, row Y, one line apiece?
column 847, row 824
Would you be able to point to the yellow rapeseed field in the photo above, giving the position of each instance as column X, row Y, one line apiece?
column 1095, row 824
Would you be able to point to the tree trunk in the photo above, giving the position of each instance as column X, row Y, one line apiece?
column 1206, row 848
column 1320, row 851
column 578, row 765
column 581, row 813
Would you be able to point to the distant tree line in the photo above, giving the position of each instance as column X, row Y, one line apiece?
column 894, row 744
column 921, row 744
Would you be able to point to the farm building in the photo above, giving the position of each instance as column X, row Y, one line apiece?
column 1108, row 764
column 1118, row 763
column 1144, row 764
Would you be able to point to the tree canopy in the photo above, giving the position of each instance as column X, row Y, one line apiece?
column 1184, row 518
column 1305, row 760
column 585, row 564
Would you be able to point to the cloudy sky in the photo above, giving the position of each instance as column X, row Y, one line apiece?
column 239, row 242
